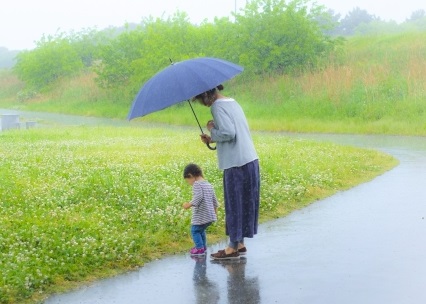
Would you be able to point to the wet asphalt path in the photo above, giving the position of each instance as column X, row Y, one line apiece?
column 365, row 245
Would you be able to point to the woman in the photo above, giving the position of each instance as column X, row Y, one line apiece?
column 238, row 159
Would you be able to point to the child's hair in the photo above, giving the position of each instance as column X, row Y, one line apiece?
column 192, row 169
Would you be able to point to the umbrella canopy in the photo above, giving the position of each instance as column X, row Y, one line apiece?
column 181, row 81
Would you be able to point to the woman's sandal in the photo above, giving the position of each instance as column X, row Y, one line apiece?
column 242, row 251
column 221, row 255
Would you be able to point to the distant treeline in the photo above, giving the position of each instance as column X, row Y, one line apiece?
column 360, row 22
column 266, row 37
column 7, row 58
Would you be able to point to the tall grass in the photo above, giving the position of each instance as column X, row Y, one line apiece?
column 83, row 203
column 379, row 81
column 79, row 95
column 9, row 86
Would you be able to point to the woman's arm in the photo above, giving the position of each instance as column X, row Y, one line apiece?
column 224, row 128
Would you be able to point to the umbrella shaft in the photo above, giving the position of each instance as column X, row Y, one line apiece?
column 195, row 117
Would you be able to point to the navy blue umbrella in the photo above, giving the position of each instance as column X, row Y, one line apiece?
column 181, row 81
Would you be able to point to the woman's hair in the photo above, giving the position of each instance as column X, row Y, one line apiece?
column 192, row 170
column 209, row 93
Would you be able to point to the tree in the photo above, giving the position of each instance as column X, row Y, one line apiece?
column 51, row 59
column 329, row 22
column 7, row 58
column 135, row 55
column 281, row 37
column 417, row 15
column 114, row 67
column 417, row 21
column 88, row 42
column 378, row 27
column 353, row 19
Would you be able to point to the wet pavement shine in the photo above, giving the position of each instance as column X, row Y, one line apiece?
column 364, row 245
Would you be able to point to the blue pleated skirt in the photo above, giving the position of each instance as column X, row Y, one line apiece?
column 242, row 196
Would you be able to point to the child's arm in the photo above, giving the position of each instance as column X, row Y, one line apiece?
column 197, row 196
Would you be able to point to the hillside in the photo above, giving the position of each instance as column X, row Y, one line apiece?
column 376, row 85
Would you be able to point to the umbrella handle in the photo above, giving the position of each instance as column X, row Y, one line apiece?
column 210, row 147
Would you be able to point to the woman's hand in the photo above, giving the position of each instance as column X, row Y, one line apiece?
column 206, row 138
column 210, row 125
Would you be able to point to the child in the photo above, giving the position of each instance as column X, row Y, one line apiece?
column 204, row 207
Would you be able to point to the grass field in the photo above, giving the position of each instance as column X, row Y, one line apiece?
column 81, row 203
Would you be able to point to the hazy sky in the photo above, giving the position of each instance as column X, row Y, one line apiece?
column 24, row 21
